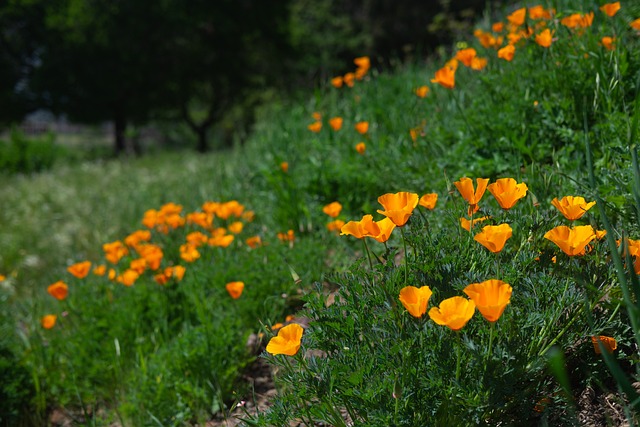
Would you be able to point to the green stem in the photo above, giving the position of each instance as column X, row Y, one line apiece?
column 458, row 355
column 366, row 249
column 406, row 257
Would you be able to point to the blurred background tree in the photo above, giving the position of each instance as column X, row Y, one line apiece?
column 199, row 63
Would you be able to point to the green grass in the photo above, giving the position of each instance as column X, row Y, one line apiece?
column 174, row 354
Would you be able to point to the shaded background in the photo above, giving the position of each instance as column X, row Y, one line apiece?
column 196, row 70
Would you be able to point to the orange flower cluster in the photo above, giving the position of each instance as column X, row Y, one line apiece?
column 216, row 224
column 363, row 64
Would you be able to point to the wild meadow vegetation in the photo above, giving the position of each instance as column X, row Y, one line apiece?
column 455, row 242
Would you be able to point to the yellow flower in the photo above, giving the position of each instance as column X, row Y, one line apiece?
column 572, row 207
column 465, row 187
column 453, row 312
column 362, row 127
column 398, row 207
column 48, row 321
column 422, row 91
column 361, row 147
column 80, row 269
column 466, row 224
column 491, row 297
column 415, row 300
column 507, row 52
column 287, row 341
column 609, row 343
column 494, row 237
column 332, row 209
column 235, row 289
column 429, row 200
column 572, row 241
column 507, row 191
column 610, row 9
column 335, row 123
column 58, row 290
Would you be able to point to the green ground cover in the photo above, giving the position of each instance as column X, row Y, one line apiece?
column 561, row 118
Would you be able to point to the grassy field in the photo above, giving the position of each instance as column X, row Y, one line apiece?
column 157, row 334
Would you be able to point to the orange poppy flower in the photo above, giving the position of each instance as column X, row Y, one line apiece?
column 349, row 79
column 178, row 272
column 48, row 321
column 335, row 123
column 133, row 239
column 100, row 270
column 128, row 277
column 415, row 300
column 545, row 38
column 422, row 91
column 235, row 289
column 221, row 240
column 366, row 227
column 635, row 24
column 517, row 17
column 335, row 225
column 332, row 209
column 428, row 200
column 494, row 237
column 315, row 127
column 398, row 206
column 453, row 312
column 577, row 20
column 466, row 56
column 253, row 242
column 114, row 251
column 491, row 297
column 227, row 209
column 138, row 265
column 287, row 341
column 361, row 147
column 363, row 63
column 572, row 207
column 610, row 9
column 497, row 27
column 58, row 290
column 466, row 224
column 465, row 187
column 507, row 191
column 608, row 42
column 572, row 241
column 236, row 227
column 152, row 254
column 609, row 343
column 80, row 269
column 539, row 12
column 478, row 64
column 337, row 82
column 507, row 52
column 284, row 167
column 362, row 127
column 289, row 236
column 189, row 252
column 445, row 77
